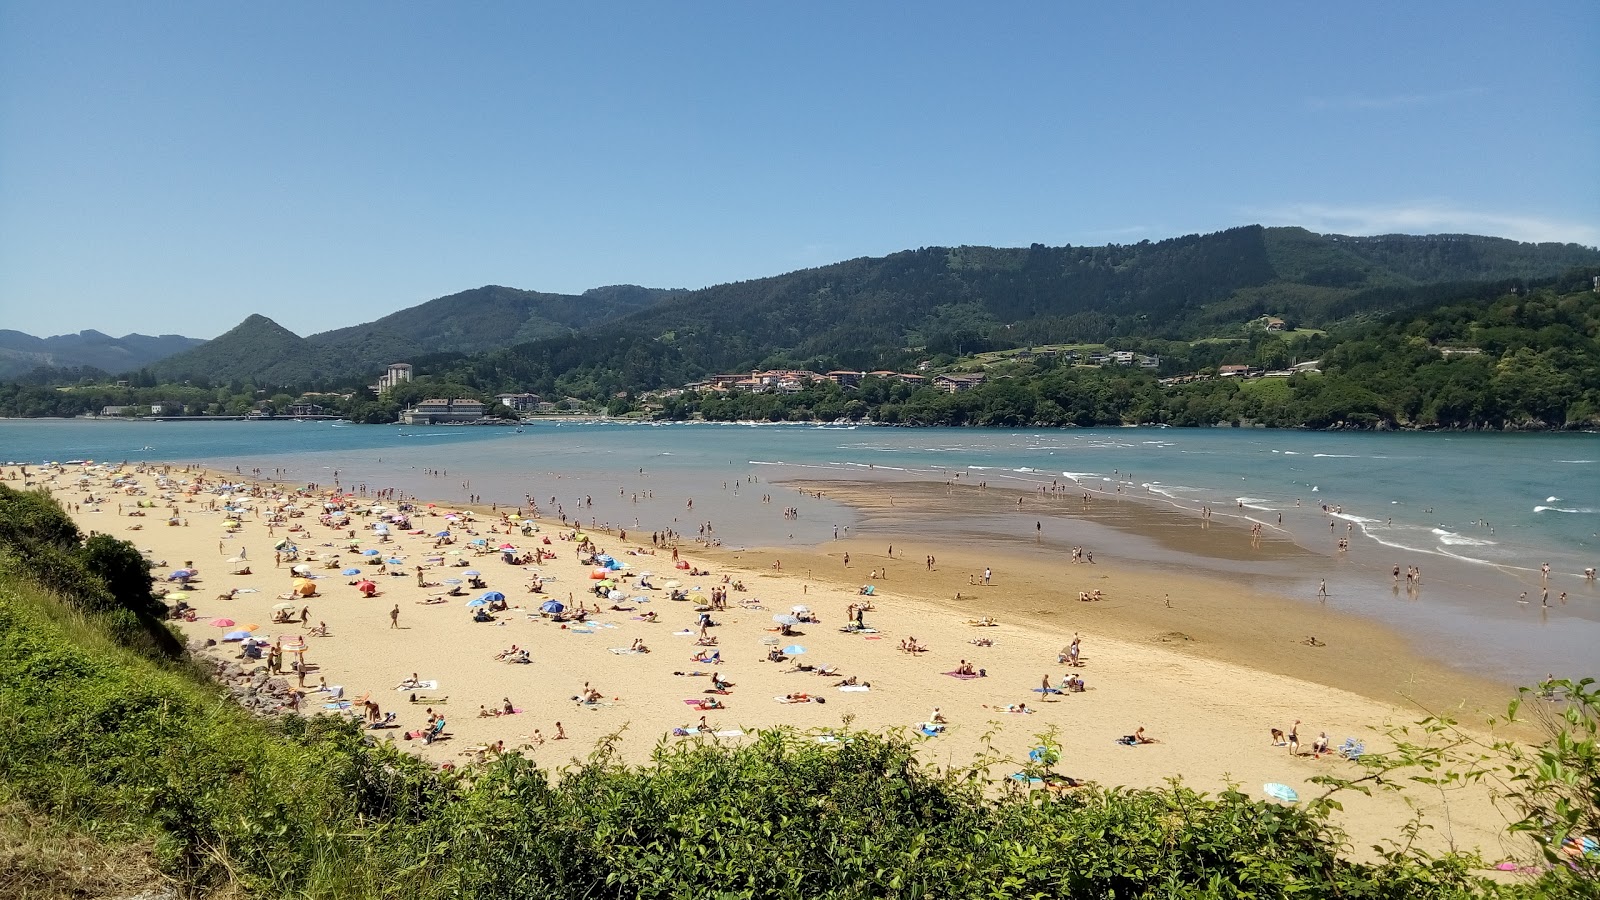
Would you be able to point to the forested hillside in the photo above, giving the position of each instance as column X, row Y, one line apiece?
column 889, row 311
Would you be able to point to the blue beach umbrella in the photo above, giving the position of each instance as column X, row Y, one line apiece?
column 478, row 542
column 474, row 604
column 395, row 561
column 794, row 650
column 452, row 581
column 351, row 571
column 371, row 551
column 441, row 534
column 236, row 635
column 472, row 573
column 552, row 606
column 492, row 596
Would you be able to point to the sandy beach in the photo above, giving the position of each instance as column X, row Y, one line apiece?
column 1207, row 677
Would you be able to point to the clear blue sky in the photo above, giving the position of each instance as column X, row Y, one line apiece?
column 174, row 167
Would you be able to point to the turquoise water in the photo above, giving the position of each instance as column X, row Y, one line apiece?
column 1479, row 512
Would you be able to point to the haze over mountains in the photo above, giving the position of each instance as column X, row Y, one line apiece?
column 856, row 312
column 21, row 353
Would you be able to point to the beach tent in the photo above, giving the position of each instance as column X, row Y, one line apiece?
column 1280, row 792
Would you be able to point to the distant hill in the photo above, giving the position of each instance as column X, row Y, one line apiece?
column 481, row 319
column 21, row 353
column 881, row 311
column 871, row 312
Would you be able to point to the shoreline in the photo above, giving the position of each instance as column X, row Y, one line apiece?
column 1211, row 710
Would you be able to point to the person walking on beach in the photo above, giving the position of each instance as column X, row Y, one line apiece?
column 987, row 574
column 1294, row 738
column 1322, row 589
column 394, row 616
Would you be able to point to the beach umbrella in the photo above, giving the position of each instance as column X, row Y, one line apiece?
column 507, row 547
column 698, row 598
column 236, row 635
column 285, row 607
column 301, row 570
column 492, row 596
column 674, row 583
column 281, row 545
column 178, row 595
column 181, row 573
column 236, row 559
column 614, row 596
column 365, row 584
column 222, row 623
column 552, row 606
column 794, row 650
column 472, row 573
column 1280, row 792
column 452, row 581
column 479, row 542
column 350, row 571
column 305, row 588
column 395, row 561
column 647, row 574
column 797, row 610
column 474, row 604
column 786, row 620
column 251, row 627
column 441, row 534
column 372, row 551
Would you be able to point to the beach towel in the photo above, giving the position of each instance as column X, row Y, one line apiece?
column 344, row 704
column 684, row 633
column 856, row 688
column 1020, row 712
column 963, row 677
column 930, row 730
column 626, row 651
column 429, row 685
column 874, row 637
column 692, row 701
column 580, row 631
column 784, row 699
column 729, row 733
column 827, row 739
column 1025, row 778
column 1041, row 690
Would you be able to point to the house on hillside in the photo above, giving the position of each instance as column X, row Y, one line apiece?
column 1234, row 371
column 440, row 412
column 956, row 384
column 116, row 410
column 845, row 379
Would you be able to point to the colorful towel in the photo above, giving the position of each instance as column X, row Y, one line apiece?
column 962, row 676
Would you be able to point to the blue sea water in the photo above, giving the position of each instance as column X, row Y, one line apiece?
column 1492, row 506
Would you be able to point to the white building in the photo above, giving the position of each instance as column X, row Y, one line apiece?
column 438, row 412
column 395, row 374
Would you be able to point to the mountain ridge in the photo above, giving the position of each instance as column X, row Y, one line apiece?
column 859, row 312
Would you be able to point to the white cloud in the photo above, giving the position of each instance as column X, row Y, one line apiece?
column 1427, row 218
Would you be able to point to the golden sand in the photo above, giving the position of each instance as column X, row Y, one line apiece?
column 1207, row 677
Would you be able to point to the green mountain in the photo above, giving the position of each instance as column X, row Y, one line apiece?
column 21, row 353
column 888, row 311
column 472, row 321
column 257, row 348
column 892, row 311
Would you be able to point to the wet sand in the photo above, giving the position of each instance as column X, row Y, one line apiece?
column 1207, row 677
column 1227, row 593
